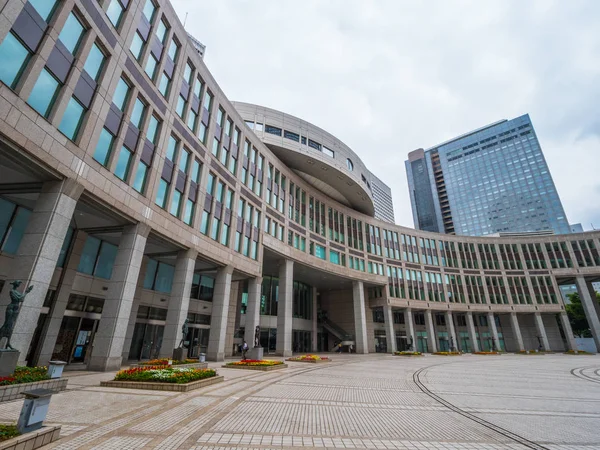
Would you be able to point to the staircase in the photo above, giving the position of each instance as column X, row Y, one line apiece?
column 338, row 332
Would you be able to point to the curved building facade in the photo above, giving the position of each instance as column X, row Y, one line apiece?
column 134, row 197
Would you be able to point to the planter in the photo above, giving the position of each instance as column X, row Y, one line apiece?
column 198, row 365
column 486, row 353
column 13, row 391
column 447, row 353
column 313, row 361
column 261, row 368
column 153, row 386
column 408, row 354
column 578, row 352
column 33, row 440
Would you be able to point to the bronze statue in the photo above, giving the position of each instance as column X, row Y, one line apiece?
column 257, row 336
column 184, row 329
column 12, row 311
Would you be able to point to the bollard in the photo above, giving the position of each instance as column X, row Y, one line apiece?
column 34, row 410
column 55, row 368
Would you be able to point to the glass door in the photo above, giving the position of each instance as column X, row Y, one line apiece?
column 84, row 341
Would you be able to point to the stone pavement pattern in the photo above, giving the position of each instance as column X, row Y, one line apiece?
column 370, row 401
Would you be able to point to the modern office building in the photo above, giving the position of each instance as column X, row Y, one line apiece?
column 133, row 196
column 492, row 180
column 199, row 46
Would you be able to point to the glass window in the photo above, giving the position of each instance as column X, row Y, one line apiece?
column 153, row 127
column 114, row 12
column 175, row 203
column 328, row 152
column 149, row 10
column 151, row 66
column 121, row 94
column 171, row 148
column 71, row 33
column 17, row 229
column 195, row 175
column 161, row 31
column 161, row 193
column 137, row 115
column 88, row 255
column 45, row 8
column 180, row 106
column 62, row 256
column 72, row 119
column 164, row 278
column 139, row 183
column 151, row 267
column 164, row 84
column 187, row 73
column 188, row 215
column 44, row 93
column 137, row 45
column 191, row 120
column 350, row 165
column 122, row 168
column 106, row 260
column 173, row 50
column 104, row 147
column 94, row 62
column 198, row 87
column 183, row 161
column 14, row 57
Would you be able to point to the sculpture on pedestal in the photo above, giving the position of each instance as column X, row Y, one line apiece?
column 257, row 336
column 184, row 330
column 12, row 312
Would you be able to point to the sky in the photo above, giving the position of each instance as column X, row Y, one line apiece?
column 388, row 77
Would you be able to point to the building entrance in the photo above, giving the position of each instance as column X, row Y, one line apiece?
column 147, row 341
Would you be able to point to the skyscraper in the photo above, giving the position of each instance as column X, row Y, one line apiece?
column 491, row 180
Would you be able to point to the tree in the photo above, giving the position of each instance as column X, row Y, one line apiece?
column 576, row 314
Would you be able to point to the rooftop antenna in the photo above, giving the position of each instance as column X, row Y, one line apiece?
column 185, row 20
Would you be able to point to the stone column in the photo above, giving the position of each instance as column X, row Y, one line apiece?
column 516, row 330
column 37, row 255
column 360, row 317
column 472, row 332
column 566, row 326
column 410, row 328
column 57, row 312
column 107, row 352
column 541, row 331
column 253, row 309
column 220, row 310
column 315, row 326
column 494, row 330
column 588, row 301
column 135, row 307
column 179, row 301
column 389, row 329
column 431, row 337
column 451, row 330
column 285, row 304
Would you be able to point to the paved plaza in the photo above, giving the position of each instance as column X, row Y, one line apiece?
column 357, row 401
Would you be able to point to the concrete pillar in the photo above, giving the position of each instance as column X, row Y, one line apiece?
column 253, row 310
column 566, row 326
column 107, row 353
column 179, row 301
column 451, row 331
column 389, row 329
column 37, row 255
column 516, row 331
column 494, row 330
column 431, row 337
column 285, row 304
column 137, row 299
column 589, row 303
column 56, row 314
column 220, row 310
column 410, row 329
column 541, row 331
column 360, row 317
column 472, row 332
column 315, row 327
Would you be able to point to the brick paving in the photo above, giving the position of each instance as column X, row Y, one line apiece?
column 369, row 401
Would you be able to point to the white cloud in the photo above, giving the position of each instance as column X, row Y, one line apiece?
column 389, row 76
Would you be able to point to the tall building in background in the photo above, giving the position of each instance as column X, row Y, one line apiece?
column 492, row 180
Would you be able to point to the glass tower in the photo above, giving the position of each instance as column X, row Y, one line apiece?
column 492, row 180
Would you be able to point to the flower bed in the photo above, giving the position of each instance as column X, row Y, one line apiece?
column 164, row 378
column 8, row 432
column 25, row 375
column 577, row 352
column 408, row 354
column 530, row 352
column 32, row 440
column 447, row 353
column 165, row 362
column 255, row 364
column 486, row 353
column 310, row 359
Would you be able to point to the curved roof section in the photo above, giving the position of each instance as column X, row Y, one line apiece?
column 321, row 159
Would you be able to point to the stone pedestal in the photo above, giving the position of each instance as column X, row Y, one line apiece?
column 179, row 354
column 255, row 353
column 8, row 362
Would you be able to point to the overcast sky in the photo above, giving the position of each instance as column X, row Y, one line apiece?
column 387, row 77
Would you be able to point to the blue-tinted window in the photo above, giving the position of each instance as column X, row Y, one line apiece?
column 161, row 193
column 273, row 130
column 104, row 147
column 139, row 183
column 122, row 169
column 72, row 119
column 171, row 148
column 106, row 260
column 183, row 160
column 195, row 175
column 151, row 65
column 137, row 115
column 44, row 93
column 164, row 84
column 320, row 251
column 16, row 231
column 188, row 215
column 14, row 56
column 7, row 210
column 71, row 33
column 114, row 12
column 173, row 50
column 152, row 132
column 161, row 31
column 121, row 94
column 151, row 267
column 164, row 278
column 65, row 247
column 45, row 8
column 175, row 203
column 94, row 62
column 137, row 45
column 149, row 10
column 292, row 136
column 334, row 257
column 89, row 255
